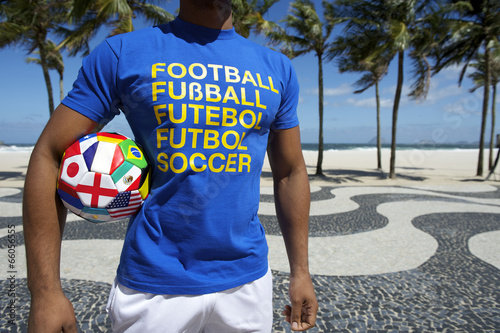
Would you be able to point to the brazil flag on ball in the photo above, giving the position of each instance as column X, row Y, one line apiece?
column 103, row 177
column 133, row 153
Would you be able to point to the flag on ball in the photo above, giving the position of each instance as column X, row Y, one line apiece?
column 73, row 169
column 124, row 204
column 103, row 177
column 96, row 190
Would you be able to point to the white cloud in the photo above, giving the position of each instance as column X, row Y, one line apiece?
column 343, row 89
column 453, row 72
column 464, row 106
column 437, row 94
column 369, row 102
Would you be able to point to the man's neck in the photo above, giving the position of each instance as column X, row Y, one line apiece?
column 215, row 14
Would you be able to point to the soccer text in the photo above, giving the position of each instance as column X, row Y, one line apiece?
column 230, row 125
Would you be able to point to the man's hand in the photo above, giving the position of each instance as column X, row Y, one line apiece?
column 51, row 314
column 302, row 314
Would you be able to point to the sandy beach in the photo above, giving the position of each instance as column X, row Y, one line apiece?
column 413, row 167
column 342, row 167
column 13, row 167
column 407, row 249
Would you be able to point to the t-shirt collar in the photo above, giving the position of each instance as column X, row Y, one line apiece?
column 195, row 30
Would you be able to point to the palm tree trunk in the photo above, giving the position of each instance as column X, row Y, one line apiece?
column 486, row 98
column 319, row 168
column 493, row 120
column 61, row 87
column 395, row 109
column 379, row 139
column 45, row 69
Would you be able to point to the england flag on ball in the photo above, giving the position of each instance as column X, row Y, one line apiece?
column 96, row 190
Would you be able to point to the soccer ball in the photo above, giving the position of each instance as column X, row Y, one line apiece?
column 103, row 177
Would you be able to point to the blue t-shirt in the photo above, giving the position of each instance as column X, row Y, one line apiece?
column 201, row 102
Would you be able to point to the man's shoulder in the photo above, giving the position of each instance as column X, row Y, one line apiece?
column 136, row 35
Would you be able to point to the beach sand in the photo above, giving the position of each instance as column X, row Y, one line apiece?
column 13, row 167
column 380, row 251
column 342, row 167
column 413, row 167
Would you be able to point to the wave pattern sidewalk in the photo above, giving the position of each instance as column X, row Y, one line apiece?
column 384, row 259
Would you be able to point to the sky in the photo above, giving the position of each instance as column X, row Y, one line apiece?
column 448, row 115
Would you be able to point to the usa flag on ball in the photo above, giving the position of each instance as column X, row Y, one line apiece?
column 103, row 177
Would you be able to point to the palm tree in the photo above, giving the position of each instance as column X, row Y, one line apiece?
column 478, row 78
column 249, row 14
column 375, row 69
column 92, row 14
column 473, row 26
column 308, row 34
column 54, row 61
column 395, row 27
column 28, row 23
column 89, row 15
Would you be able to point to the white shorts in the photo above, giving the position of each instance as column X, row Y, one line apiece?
column 247, row 308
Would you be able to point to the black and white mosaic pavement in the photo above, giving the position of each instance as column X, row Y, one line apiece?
column 384, row 259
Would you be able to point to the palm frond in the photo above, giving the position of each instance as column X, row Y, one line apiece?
column 121, row 25
column 153, row 13
column 12, row 33
column 365, row 82
column 422, row 72
column 110, row 8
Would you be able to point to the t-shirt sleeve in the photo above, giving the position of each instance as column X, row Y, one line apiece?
column 94, row 93
column 287, row 113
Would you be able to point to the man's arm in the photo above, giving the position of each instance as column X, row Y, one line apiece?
column 44, row 218
column 292, row 197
